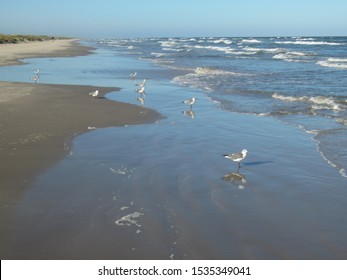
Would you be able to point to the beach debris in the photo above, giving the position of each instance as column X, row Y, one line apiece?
column 190, row 102
column 129, row 220
column 91, row 127
column 237, row 157
column 94, row 93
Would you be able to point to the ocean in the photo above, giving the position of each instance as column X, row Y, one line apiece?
column 164, row 190
column 299, row 80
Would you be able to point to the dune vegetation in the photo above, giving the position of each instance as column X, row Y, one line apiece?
column 14, row 39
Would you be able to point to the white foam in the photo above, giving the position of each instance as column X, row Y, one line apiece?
column 129, row 220
column 168, row 44
column 343, row 172
column 226, row 50
column 204, row 78
column 292, row 56
column 319, row 102
column 334, row 63
column 251, row 41
column 203, row 71
column 306, row 42
column 122, row 170
column 221, row 41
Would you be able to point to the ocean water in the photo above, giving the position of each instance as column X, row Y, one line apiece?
column 300, row 80
column 163, row 190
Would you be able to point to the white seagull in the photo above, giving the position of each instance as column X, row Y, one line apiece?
column 190, row 101
column 133, row 75
column 237, row 157
column 37, row 71
column 36, row 78
column 141, row 90
column 94, row 93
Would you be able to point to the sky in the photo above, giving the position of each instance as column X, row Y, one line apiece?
column 175, row 18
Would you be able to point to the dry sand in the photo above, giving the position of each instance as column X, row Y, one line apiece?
column 38, row 122
column 12, row 53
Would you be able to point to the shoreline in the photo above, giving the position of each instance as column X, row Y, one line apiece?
column 39, row 121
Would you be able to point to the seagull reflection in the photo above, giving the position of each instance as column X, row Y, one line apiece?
column 141, row 100
column 235, row 178
column 189, row 113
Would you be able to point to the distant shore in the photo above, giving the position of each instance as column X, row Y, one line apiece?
column 11, row 54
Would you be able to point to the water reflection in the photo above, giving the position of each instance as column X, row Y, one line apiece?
column 189, row 113
column 235, row 177
column 141, row 100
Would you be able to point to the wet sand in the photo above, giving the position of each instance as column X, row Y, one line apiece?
column 39, row 121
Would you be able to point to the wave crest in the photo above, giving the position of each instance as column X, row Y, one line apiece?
column 318, row 102
column 334, row 63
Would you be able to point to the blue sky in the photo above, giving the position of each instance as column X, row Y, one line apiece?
column 151, row 18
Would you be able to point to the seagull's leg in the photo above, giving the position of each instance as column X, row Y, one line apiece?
column 238, row 167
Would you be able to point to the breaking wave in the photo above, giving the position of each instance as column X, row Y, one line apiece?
column 334, row 63
column 309, row 42
column 318, row 102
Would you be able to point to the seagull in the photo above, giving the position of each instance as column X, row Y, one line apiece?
column 94, row 93
column 141, row 90
column 190, row 101
column 133, row 75
column 237, row 157
column 36, row 78
column 37, row 71
column 142, row 84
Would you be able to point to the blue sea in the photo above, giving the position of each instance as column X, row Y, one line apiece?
column 298, row 80
column 163, row 190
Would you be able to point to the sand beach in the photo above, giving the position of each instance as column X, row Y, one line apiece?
column 160, row 188
column 39, row 121
column 12, row 53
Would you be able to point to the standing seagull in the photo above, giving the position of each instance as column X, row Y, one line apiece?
column 237, row 157
column 36, row 78
column 190, row 102
column 37, row 71
column 133, row 75
column 94, row 93
column 141, row 90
